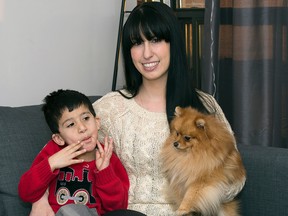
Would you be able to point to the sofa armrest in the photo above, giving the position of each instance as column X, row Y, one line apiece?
column 266, row 189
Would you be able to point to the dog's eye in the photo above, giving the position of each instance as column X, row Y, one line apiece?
column 187, row 138
column 176, row 133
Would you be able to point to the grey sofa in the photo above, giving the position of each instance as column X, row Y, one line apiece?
column 23, row 132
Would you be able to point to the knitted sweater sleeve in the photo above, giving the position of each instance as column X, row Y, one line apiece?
column 213, row 107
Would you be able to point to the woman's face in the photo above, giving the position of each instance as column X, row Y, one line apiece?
column 151, row 58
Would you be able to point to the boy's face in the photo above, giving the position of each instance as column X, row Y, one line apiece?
column 79, row 125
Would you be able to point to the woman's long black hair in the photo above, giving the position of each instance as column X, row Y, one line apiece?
column 155, row 19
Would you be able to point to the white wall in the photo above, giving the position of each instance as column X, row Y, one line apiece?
column 51, row 44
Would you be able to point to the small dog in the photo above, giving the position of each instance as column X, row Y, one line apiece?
column 203, row 168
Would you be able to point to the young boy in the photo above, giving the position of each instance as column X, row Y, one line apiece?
column 73, row 165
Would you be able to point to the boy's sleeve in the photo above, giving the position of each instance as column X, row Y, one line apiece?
column 112, row 186
column 36, row 180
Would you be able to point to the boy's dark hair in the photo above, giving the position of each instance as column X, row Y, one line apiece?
column 56, row 102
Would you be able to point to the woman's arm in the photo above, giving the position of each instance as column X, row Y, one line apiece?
column 214, row 108
column 42, row 207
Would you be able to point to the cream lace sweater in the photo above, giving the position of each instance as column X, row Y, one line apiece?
column 138, row 136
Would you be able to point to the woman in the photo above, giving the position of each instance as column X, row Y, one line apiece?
column 138, row 116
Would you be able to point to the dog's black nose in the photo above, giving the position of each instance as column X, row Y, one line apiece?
column 176, row 144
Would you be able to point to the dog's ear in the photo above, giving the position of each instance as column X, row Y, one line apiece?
column 178, row 111
column 200, row 123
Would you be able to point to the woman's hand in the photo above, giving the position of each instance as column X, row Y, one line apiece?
column 42, row 207
column 103, row 155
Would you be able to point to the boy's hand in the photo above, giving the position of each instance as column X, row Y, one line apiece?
column 66, row 157
column 103, row 155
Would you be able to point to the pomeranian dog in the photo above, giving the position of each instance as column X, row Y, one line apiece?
column 202, row 165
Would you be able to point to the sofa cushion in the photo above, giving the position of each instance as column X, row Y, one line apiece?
column 266, row 191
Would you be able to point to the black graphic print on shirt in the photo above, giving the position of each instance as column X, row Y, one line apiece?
column 71, row 186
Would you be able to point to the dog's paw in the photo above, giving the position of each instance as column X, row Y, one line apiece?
column 186, row 212
column 183, row 212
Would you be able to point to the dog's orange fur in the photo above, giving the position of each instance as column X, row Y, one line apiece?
column 201, row 164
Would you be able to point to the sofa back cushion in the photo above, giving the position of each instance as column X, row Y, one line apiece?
column 23, row 133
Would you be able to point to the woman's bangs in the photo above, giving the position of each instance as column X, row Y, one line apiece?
column 135, row 33
column 149, row 27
